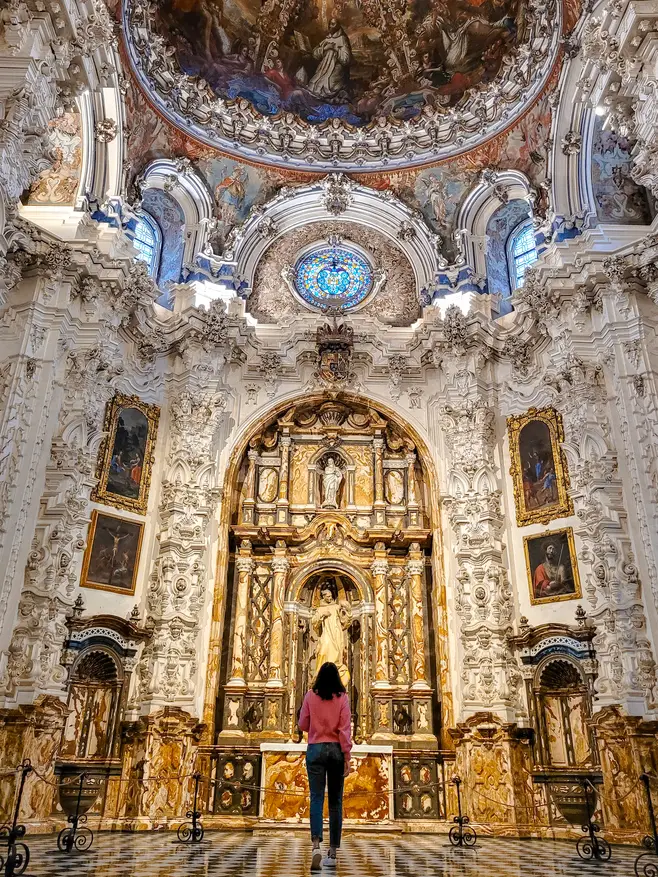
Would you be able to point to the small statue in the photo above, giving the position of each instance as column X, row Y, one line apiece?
column 331, row 479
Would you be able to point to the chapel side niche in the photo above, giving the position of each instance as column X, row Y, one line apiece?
column 330, row 548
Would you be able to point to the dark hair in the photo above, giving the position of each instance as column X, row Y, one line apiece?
column 327, row 682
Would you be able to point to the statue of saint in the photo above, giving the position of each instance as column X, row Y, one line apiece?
column 331, row 478
column 329, row 624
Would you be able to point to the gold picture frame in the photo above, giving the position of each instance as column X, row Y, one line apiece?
column 111, row 560
column 560, row 563
column 125, row 460
column 539, row 467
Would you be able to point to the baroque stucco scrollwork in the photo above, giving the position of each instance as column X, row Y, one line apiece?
column 396, row 303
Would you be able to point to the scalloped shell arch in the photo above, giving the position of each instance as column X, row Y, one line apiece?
column 325, row 84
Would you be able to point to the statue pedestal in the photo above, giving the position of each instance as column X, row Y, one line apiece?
column 284, row 795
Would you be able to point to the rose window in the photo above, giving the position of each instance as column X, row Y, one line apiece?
column 333, row 276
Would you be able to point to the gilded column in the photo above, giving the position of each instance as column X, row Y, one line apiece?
column 415, row 566
column 412, row 498
column 280, row 565
column 379, row 504
column 282, row 502
column 245, row 564
column 250, row 488
column 379, row 569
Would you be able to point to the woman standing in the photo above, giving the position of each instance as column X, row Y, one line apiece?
column 325, row 714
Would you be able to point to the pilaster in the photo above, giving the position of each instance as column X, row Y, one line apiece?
column 178, row 585
column 483, row 596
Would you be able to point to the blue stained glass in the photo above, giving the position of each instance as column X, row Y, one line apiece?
column 524, row 252
column 145, row 243
column 333, row 276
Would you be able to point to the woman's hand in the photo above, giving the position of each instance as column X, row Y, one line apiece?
column 346, row 769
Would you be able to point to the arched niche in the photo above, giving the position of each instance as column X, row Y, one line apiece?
column 353, row 617
column 100, row 653
column 277, row 536
column 564, row 708
column 94, row 701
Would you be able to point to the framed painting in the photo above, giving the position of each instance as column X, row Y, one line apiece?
column 539, row 467
column 552, row 569
column 126, row 457
column 112, row 554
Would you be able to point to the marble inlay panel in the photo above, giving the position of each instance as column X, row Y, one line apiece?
column 285, row 784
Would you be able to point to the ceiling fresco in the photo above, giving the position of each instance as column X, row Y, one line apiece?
column 332, row 59
column 319, row 84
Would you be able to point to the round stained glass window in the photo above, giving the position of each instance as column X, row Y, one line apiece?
column 333, row 276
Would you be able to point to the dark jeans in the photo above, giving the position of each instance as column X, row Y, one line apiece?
column 326, row 761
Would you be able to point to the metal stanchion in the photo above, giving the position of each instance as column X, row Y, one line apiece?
column 18, row 854
column 192, row 832
column 461, row 834
column 73, row 837
column 592, row 846
column 646, row 864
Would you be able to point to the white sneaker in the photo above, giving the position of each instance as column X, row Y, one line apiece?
column 316, row 861
column 329, row 862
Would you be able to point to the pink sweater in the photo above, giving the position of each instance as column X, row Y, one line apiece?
column 327, row 721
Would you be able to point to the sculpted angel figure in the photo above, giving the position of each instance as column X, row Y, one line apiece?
column 329, row 624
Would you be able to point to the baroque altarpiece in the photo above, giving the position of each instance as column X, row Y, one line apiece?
column 331, row 560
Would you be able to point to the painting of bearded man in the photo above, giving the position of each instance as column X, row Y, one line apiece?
column 552, row 569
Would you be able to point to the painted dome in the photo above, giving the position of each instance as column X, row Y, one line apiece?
column 333, row 276
column 328, row 84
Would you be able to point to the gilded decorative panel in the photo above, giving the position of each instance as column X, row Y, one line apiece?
column 237, row 784
column 362, row 456
column 418, row 792
column 301, row 457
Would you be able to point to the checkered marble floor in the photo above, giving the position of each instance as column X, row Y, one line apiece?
column 224, row 854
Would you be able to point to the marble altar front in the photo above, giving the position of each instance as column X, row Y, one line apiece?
column 284, row 793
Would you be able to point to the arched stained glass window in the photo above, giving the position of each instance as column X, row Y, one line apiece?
column 146, row 241
column 523, row 252
column 333, row 275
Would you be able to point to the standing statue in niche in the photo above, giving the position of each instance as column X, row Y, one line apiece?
column 331, row 479
column 329, row 624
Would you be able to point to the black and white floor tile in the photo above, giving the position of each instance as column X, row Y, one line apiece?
column 232, row 854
